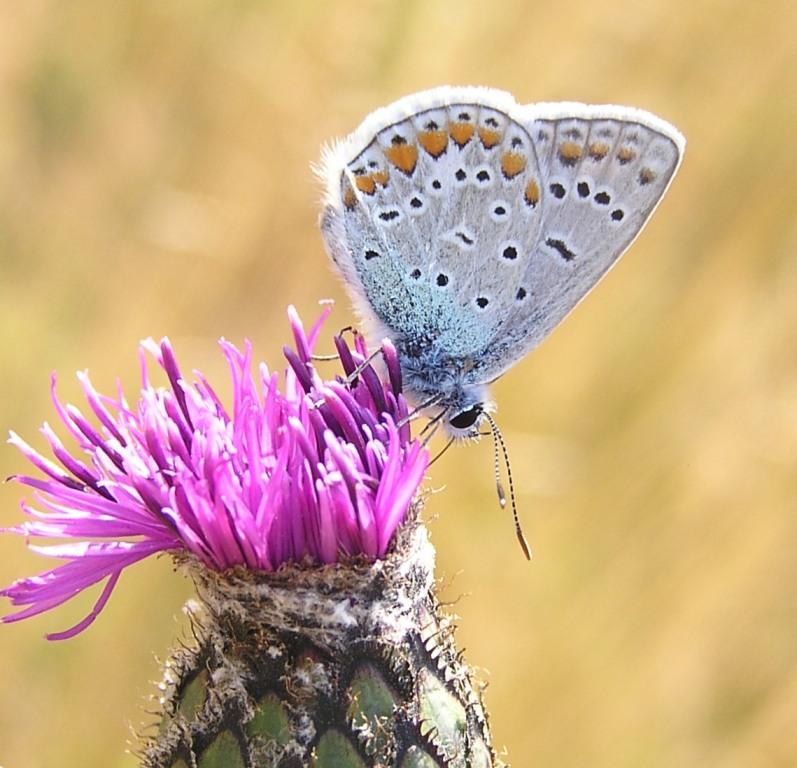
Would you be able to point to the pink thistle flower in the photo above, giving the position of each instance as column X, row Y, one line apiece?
column 317, row 472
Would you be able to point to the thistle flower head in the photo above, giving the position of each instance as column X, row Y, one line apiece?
column 312, row 472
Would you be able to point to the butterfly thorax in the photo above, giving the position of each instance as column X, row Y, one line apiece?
column 443, row 382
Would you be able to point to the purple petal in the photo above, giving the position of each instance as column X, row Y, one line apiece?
column 311, row 471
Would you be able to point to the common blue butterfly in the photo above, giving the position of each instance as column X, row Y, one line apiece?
column 466, row 226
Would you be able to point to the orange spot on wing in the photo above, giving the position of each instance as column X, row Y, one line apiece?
column 532, row 193
column 489, row 137
column 403, row 156
column 598, row 150
column 381, row 177
column 434, row 142
column 646, row 176
column 365, row 184
column 569, row 152
column 461, row 133
column 349, row 197
column 512, row 163
column 625, row 155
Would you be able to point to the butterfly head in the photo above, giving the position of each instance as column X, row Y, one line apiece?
column 445, row 396
column 465, row 424
column 465, row 413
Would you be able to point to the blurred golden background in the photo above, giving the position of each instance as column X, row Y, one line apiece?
column 154, row 167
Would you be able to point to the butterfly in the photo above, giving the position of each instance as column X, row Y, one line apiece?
column 466, row 226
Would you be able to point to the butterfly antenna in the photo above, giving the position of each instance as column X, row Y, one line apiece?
column 498, row 440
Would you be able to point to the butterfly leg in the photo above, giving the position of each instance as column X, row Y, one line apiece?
column 443, row 450
column 429, row 431
column 328, row 358
column 352, row 377
column 416, row 412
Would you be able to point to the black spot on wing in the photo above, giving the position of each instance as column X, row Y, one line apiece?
column 561, row 248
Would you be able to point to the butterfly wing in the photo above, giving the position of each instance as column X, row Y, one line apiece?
column 603, row 171
column 466, row 227
column 426, row 217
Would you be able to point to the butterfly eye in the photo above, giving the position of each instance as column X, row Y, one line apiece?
column 467, row 418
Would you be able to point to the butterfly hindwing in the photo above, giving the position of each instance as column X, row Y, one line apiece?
column 438, row 213
column 604, row 170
